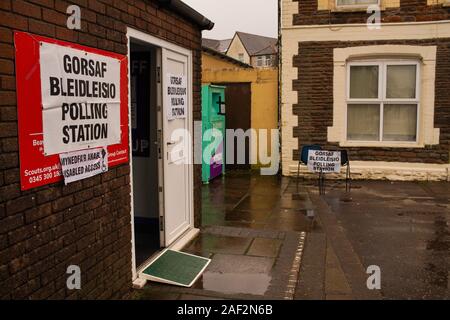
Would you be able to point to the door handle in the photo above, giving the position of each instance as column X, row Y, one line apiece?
column 171, row 143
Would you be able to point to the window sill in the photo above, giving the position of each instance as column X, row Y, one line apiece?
column 405, row 145
column 352, row 9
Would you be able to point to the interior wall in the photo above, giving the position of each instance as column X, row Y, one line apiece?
column 145, row 162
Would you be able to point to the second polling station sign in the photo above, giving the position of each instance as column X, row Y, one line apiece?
column 177, row 99
column 70, row 97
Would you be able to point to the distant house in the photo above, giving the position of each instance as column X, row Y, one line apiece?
column 257, row 51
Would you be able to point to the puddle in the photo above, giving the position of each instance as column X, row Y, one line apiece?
column 346, row 199
column 236, row 283
column 299, row 197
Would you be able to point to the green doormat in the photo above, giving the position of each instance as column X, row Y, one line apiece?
column 176, row 268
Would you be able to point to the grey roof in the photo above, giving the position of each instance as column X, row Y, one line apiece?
column 216, row 45
column 258, row 45
column 226, row 58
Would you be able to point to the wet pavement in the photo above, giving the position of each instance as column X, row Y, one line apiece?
column 403, row 228
column 254, row 233
column 256, row 202
column 274, row 238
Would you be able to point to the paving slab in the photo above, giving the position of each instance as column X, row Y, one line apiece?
column 226, row 263
column 264, row 247
column 205, row 244
column 235, row 283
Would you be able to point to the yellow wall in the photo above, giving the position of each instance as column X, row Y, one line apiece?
column 264, row 87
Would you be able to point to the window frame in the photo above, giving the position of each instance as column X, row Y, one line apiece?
column 382, row 99
column 260, row 59
column 356, row 6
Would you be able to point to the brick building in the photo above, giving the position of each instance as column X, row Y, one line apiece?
column 381, row 93
column 110, row 224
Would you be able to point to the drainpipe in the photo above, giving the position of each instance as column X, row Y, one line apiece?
column 186, row 11
column 280, row 70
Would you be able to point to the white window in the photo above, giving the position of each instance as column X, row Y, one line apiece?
column 241, row 57
column 356, row 3
column 383, row 100
column 268, row 61
column 260, row 61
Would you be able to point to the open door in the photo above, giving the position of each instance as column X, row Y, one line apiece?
column 238, row 116
column 177, row 154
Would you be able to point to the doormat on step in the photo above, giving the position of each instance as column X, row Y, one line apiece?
column 176, row 268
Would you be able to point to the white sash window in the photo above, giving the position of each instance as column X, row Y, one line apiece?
column 383, row 101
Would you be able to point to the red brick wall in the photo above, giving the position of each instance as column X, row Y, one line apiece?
column 315, row 108
column 44, row 230
column 410, row 10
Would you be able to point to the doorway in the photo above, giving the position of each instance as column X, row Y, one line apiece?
column 162, row 176
column 144, row 132
column 238, row 97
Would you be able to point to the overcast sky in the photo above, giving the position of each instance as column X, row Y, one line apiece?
column 252, row 16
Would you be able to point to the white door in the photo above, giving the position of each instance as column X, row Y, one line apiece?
column 177, row 179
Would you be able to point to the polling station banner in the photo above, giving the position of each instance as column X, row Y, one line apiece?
column 322, row 161
column 80, row 99
column 177, row 98
column 70, row 99
column 83, row 164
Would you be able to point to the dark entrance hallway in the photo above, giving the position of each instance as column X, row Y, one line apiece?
column 238, row 99
column 145, row 163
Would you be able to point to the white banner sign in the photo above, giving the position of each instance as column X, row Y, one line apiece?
column 177, row 98
column 324, row 161
column 83, row 164
column 80, row 99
